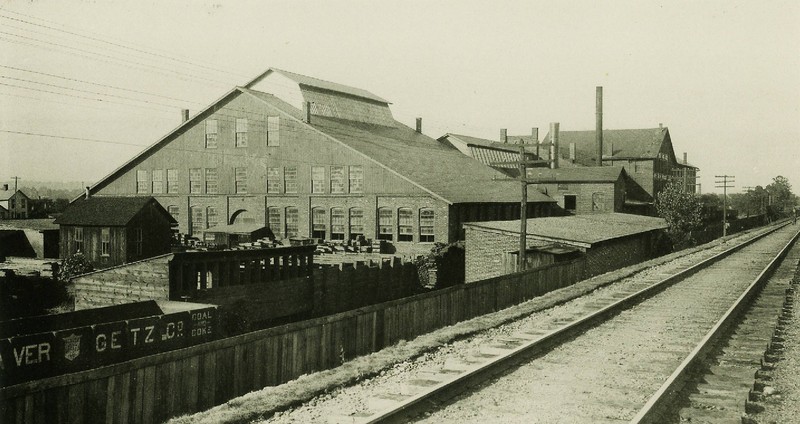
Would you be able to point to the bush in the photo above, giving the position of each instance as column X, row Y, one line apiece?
column 447, row 260
column 76, row 264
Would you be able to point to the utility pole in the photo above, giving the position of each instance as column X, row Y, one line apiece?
column 15, row 182
column 724, row 184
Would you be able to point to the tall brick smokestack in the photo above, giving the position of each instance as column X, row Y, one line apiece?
column 599, row 125
column 554, row 145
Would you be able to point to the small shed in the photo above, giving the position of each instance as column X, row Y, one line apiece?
column 115, row 230
column 234, row 234
column 606, row 241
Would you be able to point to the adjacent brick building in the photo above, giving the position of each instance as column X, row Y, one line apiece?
column 608, row 241
column 316, row 159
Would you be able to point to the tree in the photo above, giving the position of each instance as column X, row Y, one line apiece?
column 76, row 264
column 682, row 211
column 781, row 197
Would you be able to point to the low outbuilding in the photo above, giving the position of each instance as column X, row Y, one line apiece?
column 235, row 234
column 605, row 241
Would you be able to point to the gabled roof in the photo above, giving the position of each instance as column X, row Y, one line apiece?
column 627, row 144
column 579, row 229
column 107, row 211
column 14, row 193
column 320, row 84
column 513, row 142
column 589, row 174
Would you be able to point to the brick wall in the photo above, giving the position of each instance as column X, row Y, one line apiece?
column 484, row 253
column 614, row 254
column 137, row 281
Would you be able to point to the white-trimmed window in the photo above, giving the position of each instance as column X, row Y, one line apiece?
column 273, row 180
column 105, row 241
column 212, row 181
column 196, row 213
column 356, row 223
column 78, row 239
column 158, row 181
column 141, row 181
column 138, row 241
column 273, row 131
column 240, row 180
column 337, row 224
column 337, row 180
column 174, row 211
column 405, row 224
column 212, row 130
column 385, row 224
column 274, row 220
column 211, row 217
column 195, row 180
column 356, row 179
column 290, row 179
column 426, row 225
column 172, row 180
column 241, row 132
column 318, row 179
column 292, row 221
column 318, row 223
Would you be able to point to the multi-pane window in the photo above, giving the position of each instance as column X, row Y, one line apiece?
column 318, row 223
column 241, row 132
column 385, row 224
column 292, row 220
column 356, row 179
column 174, row 211
column 426, row 221
column 105, row 241
column 318, row 179
column 141, row 181
column 273, row 180
column 195, row 180
column 138, row 241
column 290, row 179
column 172, row 180
column 337, row 224
column 78, row 239
column 158, row 181
column 212, row 129
column 405, row 223
column 211, row 217
column 337, row 180
column 197, row 219
column 212, row 180
column 274, row 220
column 240, row 180
column 273, row 131
column 356, row 223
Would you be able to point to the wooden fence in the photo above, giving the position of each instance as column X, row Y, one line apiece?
column 157, row 387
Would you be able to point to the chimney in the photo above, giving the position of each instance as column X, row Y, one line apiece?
column 419, row 125
column 610, row 148
column 660, row 126
column 535, row 135
column 503, row 135
column 572, row 152
column 87, row 192
column 307, row 112
column 685, row 162
column 599, row 124
column 554, row 145
column 184, row 115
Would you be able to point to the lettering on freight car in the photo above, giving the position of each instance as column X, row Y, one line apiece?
column 201, row 323
column 102, row 341
column 148, row 334
column 172, row 330
column 32, row 354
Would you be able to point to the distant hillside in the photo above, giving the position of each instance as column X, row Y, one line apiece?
column 46, row 189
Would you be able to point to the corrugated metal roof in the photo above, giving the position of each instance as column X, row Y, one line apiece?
column 588, row 229
column 513, row 142
column 585, row 174
column 322, row 84
column 106, row 211
column 632, row 143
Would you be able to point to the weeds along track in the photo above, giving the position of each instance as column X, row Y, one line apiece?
column 598, row 358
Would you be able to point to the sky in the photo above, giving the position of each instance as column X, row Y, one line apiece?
column 85, row 85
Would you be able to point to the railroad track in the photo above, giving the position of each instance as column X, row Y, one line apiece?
column 550, row 390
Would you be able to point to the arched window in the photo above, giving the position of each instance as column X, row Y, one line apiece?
column 356, row 223
column 426, row 225
column 198, row 222
column 242, row 216
column 318, row 223
column 337, row 224
column 385, row 224
column 211, row 217
column 405, row 224
column 274, row 220
column 292, row 220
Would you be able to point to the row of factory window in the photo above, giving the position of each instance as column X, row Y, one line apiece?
column 279, row 180
column 105, row 241
column 240, row 132
column 332, row 224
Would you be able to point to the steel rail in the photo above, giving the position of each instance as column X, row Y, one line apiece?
column 659, row 403
column 446, row 389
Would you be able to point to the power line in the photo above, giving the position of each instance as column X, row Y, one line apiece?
column 79, row 97
column 121, row 45
column 74, row 104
